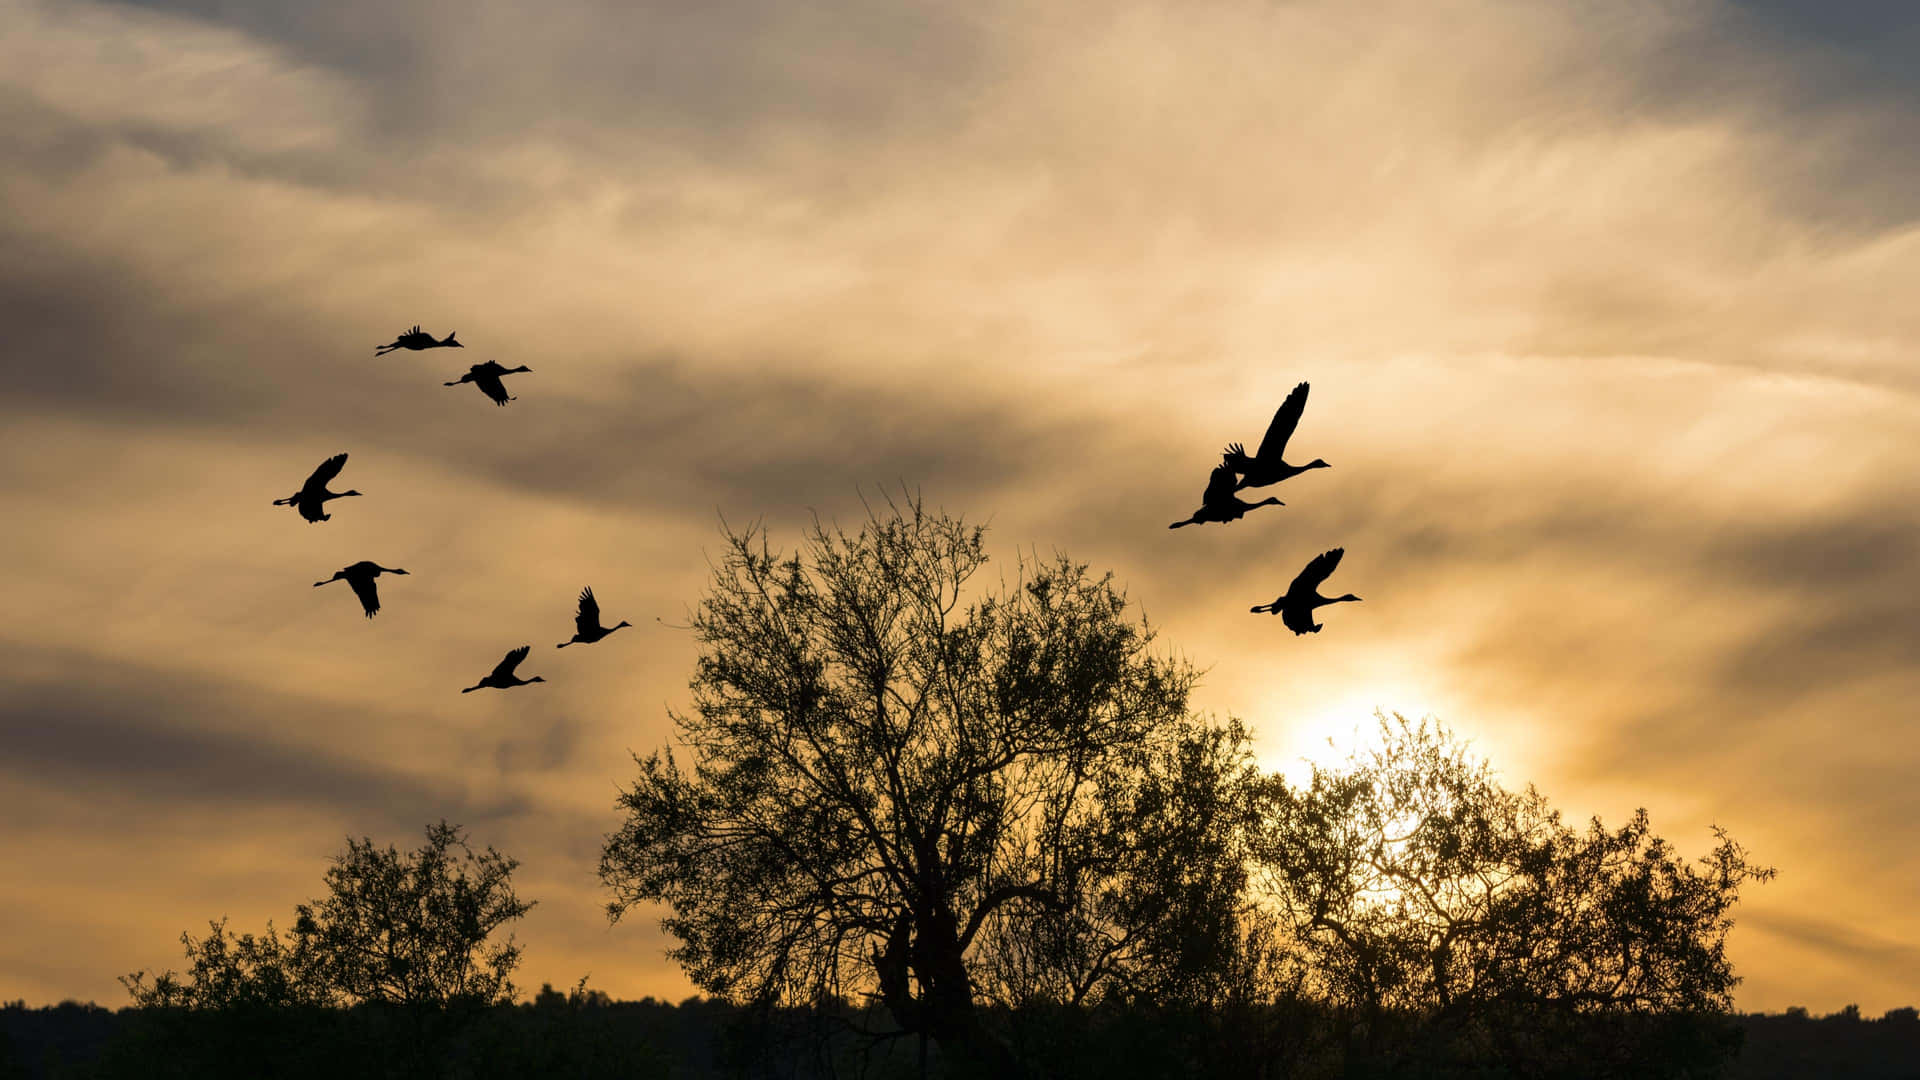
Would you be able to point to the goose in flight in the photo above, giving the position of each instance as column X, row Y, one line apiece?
column 1265, row 466
column 311, row 499
column 502, row 676
column 487, row 377
column 415, row 340
column 359, row 577
column 1295, row 607
column 587, row 628
column 1220, row 503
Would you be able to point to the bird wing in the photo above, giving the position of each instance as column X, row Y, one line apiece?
column 1318, row 570
column 328, row 469
column 490, row 385
column 1299, row 620
column 504, row 669
column 1219, row 486
column 1285, row 419
column 364, row 589
column 588, row 620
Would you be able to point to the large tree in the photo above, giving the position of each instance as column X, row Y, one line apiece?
column 894, row 792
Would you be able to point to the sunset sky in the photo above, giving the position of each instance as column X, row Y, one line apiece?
column 1608, row 310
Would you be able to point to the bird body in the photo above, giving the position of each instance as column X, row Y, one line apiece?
column 487, row 377
column 1296, row 606
column 587, row 628
column 416, row 340
column 502, row 676
column 1265, row 465
column 359, row 577
column 312, row 497
column 1219, row 503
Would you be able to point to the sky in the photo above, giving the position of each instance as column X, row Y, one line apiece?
column 1606, row 309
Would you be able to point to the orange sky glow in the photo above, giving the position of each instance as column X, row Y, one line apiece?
column 1605, row 309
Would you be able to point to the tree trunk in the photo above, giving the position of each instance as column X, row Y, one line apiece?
column 944, row 1009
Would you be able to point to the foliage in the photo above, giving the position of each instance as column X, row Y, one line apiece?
column 896, row 796
column 396, row 929
column 229, row 970
column 415, row 928
column 1425, row 894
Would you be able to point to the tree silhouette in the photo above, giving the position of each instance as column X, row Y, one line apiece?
column 895, row 796
column 413, row 929
column 396, row 929
column 231, row 971
column 1423, row 892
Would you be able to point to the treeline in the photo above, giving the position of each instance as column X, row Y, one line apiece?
column 904, row 833
column 588, row 1036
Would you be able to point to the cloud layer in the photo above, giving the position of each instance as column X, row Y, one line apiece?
column 1601, row 305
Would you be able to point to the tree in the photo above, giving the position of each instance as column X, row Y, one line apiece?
column 1425, row 893
column 409, row 929
column 413, row 929
column 893, row 795
column 229, row 971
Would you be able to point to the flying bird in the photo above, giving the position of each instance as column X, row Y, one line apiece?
column 1219, row 503
column 587, row 628
column 487, row 377
column 502, row 676
column 1296, row 606
column 415, row 340
column 1265, row 467
column 360, row 577
column 311, row 499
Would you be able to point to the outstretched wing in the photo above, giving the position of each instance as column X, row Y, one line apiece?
column 369, row 596
column 504, row 669
column 490, row 385
column 1317, row 571
column 589, row 618
column 1219, row 486
column 328, row 469
column 1285, row 419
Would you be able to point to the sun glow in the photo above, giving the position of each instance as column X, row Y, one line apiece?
column 1292, row 740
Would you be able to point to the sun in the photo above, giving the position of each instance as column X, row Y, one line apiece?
column 1293, row 740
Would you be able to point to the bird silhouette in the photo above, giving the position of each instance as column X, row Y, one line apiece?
column 487, row 377
column 1265, row 467
column 360, row 577
column 502, row 676
column 587, row 628
column 1296, row 606
column 1219, row 503
column 415, row 340
column 311, row 499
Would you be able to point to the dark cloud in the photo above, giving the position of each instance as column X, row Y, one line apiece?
column 626, row 77
column 122, row 731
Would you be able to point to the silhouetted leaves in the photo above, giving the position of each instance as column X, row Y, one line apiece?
column 394, row 929
column 896, row 795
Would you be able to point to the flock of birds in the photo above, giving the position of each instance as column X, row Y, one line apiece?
column 1221, row 503
column 312, row 498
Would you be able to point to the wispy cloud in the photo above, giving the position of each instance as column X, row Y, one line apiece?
column 1602, row 307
